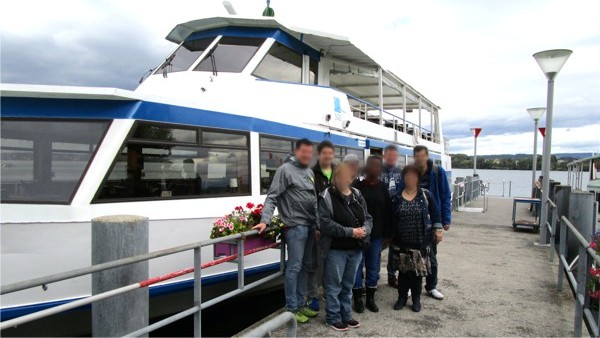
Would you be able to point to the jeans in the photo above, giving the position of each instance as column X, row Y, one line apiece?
column 339, row 274
column 432, row 278
column 299, row 241
column 372, row 260
column 315, row 272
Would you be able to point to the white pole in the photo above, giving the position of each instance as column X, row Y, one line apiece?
column 546, row 161
column 475, row 157
column 534, row 161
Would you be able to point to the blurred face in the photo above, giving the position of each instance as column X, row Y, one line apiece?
column 344, row 179
column 421, row 158
column 411, row 180
column 390, row 157
column 354, row 167
column 373, row 168
column 326, row 157
column 304, row 154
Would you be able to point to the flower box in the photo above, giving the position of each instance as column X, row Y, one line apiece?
column 229, row 248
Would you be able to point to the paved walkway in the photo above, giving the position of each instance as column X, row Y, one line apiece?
column 496, row 283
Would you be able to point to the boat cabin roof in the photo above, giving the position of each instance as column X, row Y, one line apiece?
column 351, row 70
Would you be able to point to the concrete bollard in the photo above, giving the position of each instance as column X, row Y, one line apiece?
column 562, row 194
column 581, row 215
column 116, row 237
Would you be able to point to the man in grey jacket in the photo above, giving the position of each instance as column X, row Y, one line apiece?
column 293, row 193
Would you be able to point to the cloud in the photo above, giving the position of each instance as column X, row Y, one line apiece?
column 471, row 58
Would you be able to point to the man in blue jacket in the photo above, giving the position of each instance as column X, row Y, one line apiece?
column 434, row 179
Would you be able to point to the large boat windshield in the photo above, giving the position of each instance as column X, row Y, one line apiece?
column 44, row 160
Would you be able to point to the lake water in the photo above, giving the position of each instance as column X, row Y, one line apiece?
column 518, row 180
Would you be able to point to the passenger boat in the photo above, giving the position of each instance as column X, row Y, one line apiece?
column 203, row 133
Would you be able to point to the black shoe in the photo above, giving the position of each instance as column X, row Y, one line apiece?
column 416, row 300
column 353, row 323
column 359, row 306
column 393, row 281
column 401, row 303
column 339, row 326
column 371, row 300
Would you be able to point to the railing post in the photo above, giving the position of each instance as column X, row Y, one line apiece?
column 198, row 291
column 553, row 218
column 241, row 263
column 580, row 298
column 116, row 237
column 562, row 246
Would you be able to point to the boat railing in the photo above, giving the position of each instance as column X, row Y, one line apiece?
column 389, row 120
column 196, row 310
column 464, row 192
column 575, row 171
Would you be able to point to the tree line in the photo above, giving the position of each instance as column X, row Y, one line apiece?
column 463, row 161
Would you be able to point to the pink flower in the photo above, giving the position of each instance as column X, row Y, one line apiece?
column 243, row 219
column 593, row 245
column 221, row 229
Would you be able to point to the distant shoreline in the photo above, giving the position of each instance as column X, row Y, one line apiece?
column 515, row 169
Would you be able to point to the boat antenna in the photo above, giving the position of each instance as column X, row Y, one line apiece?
column 268, row 11
column 229, row 7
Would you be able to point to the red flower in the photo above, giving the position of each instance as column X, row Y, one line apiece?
column 595, row 272
column 260, row 206
column 593, row 245
column 257, row 212
column 239, row 208
column 250, row 205
column 594, row 294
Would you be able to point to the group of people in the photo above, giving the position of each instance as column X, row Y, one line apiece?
column 338, row 220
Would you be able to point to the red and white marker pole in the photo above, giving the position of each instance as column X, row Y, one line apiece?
column 476, row 132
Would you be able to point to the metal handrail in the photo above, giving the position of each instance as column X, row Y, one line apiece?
column 579, row 281
column 287, row 318
column 198, row 304
column 41, row 281
column 551, row 226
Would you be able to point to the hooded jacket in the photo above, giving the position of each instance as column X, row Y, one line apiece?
column 293, row 193
column 321, row 181
column 440, row 190
column 330, row 228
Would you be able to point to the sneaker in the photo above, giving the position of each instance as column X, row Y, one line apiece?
column 436, row 294
column 300, row 317
column 308, row 312
column 313, row 304
column 353, row 323
column 339, row 326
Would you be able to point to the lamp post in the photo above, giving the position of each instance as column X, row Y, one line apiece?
column 476, row 132
column 551, row 62
column 536, row 114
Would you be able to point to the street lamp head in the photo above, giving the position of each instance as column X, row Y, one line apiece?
column 551, row 61
column 536, row 113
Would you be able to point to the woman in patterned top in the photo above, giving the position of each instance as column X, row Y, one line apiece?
column 415, row 218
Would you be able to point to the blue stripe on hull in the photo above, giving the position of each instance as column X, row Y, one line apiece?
column 158, row 290
column 159, row 112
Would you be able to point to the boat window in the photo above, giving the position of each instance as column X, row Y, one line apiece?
column 165, row 133
column 160, row 167
column 274, row 151
column 43, row 161
column 183, row 58
column 281, row 64
column 231, row 54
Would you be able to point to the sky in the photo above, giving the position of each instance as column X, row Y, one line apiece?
column 471, row 58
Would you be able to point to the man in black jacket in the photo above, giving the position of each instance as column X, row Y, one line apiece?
column 323, row 171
